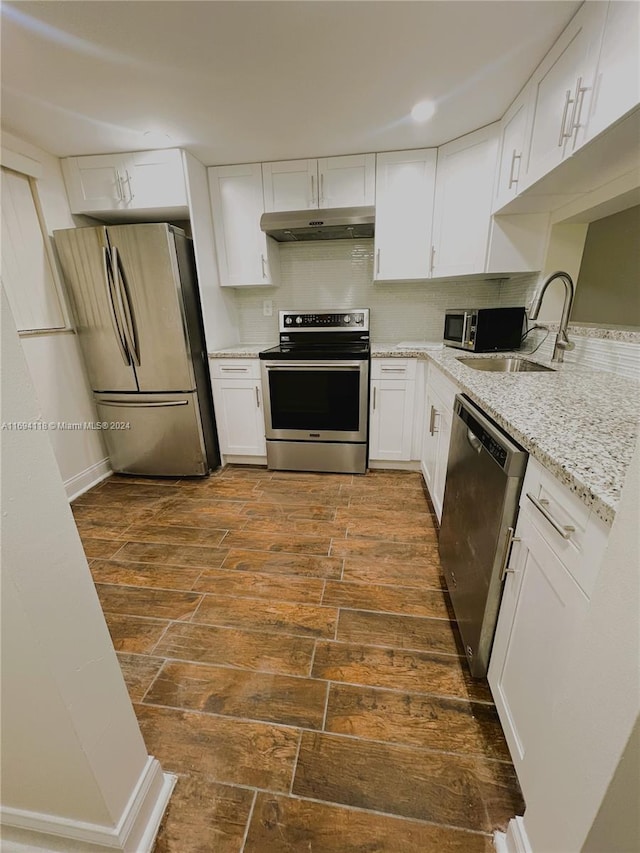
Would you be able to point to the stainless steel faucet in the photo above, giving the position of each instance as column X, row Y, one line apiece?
column 562, row 341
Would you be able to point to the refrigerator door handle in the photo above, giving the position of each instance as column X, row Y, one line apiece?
column 135, row 405
column 108, row 278
column 125, row 307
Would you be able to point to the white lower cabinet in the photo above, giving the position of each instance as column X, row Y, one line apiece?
column 439, row 395
column 391, row 413
column 237, row 400
column 556, row 555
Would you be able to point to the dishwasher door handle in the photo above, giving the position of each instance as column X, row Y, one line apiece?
column 474, row 441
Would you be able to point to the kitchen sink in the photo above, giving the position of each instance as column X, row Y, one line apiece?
column 511, row 364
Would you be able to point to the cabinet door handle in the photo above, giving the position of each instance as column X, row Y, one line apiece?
column 257, row 397
column 565, row 530
column 131, row 194
column 378, row 262
column 264, row 269
column 314, row 201
column 433, row 259
column 119, row 186
column 321, row 200
column 510, row 539
column 374, row 398
column 563, row 134
column 512, row 179
column 432, row 421
column 577, row 110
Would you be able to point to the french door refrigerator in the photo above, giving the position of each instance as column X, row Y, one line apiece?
column 133, row 292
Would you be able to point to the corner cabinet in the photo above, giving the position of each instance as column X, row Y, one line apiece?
column 391, row 412
column 405, row 186
column 310, row 184
column 463, row 199
column 246, row 256
column 439, row 395
column 237, row 400
column 556, row 555
column 562, row 89
column 119, row 183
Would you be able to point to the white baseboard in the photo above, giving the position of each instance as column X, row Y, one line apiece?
column 87, row 479
column 35, row 832
column 244, row 460
column 514, row 840
column 385, row 465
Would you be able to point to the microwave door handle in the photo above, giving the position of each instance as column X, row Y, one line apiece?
column 464, row 329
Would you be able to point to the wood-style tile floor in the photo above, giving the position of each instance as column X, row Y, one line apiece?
column 288, row 648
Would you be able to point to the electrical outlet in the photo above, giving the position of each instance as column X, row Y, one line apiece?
column 267, row 307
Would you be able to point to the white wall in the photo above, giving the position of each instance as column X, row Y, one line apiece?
column 54, row 360
column 600, row 700
column 71, row 746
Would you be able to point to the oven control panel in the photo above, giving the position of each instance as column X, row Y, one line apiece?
column 354, row 319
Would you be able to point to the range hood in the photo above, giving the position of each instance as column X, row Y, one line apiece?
column 339, row 223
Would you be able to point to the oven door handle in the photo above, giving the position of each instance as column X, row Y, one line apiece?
column 313, row 365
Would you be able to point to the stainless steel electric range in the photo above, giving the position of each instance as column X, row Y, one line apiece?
column 316, row 392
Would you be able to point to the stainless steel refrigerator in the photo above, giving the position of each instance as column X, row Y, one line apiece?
column 134, row 294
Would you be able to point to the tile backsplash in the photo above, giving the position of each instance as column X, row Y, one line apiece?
column 339, row 274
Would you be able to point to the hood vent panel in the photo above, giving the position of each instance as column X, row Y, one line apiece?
column 340, row 223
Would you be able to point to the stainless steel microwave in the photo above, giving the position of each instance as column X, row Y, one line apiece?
column 484, row 329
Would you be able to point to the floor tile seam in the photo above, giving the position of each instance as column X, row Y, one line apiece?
column 313, row 658
column 160, row 638
column 169, row 542
column 294, row 767
column 420, row 694
column 380, row 813
column 122, row 585
column 392, row 613
column 177, row 544
column 242, row 629
column 153, row 681
column 326, row 707
column 387, row 612
column 260, row 630
column 248, row 824
column 398, row 586
column 264, row 575
column 170, row 659
column 468, row 757
column 378, row 582
column 360, row 642
column 305, row 604
column 282, row 551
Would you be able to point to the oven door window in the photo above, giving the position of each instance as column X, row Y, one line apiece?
column 315, row 399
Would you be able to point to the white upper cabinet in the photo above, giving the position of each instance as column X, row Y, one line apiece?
column 405, row 186
column 246, row 256
column 290, row 185
column 617, row 83
column 562, row 90
column 125, row 182
column 347, row 181
column 462, row 208
column 513, row 128
column 310, row 184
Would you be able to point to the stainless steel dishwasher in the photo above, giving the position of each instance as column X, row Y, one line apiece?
column 485, row 470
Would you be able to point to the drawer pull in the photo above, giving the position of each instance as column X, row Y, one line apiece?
column 393, row 369
column 234, row 369
column 509, row 540
column 564, row 530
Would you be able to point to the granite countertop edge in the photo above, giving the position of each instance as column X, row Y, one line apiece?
column 593, row 467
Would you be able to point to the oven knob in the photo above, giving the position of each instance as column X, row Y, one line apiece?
column 358, row 318
column 298, row 320
column 288, row 321
column 347, row 318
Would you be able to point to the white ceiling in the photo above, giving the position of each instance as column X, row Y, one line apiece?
column 237, row 82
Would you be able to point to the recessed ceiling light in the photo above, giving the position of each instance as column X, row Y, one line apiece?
column 423, row 111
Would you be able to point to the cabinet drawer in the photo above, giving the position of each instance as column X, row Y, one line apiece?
column 393, row 368
column 575, row 535
column 227, row 368
column 445, row 389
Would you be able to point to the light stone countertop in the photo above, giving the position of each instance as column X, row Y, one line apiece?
column 240, row 351
column 579, row 423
